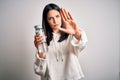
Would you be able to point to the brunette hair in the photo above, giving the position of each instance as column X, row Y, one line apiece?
column 46, row 26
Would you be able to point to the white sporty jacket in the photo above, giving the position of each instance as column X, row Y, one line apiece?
column 61, row 61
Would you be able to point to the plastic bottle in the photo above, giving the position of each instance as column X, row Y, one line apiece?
column 42, row 48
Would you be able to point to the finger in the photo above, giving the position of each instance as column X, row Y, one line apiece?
column 37, row 37
column 64, row 14
column 70, row 16
column 36, row 45
column 63, row 30
column 38, row 42
column 41, row 39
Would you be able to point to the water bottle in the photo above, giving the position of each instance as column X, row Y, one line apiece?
column 42, row 48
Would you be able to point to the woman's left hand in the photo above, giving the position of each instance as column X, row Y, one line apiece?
column 70, row 25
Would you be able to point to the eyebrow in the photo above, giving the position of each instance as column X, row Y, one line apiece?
column 55, row 16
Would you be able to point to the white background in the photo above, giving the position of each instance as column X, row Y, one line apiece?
column 99, row 18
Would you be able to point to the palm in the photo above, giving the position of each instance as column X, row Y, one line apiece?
column 70, row 26
column 69, row 23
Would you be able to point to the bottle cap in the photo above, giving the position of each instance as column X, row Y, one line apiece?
column 37, row 28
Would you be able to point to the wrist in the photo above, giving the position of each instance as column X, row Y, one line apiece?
column 42, row 55
column 77, row 34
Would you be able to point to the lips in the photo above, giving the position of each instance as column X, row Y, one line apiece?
column 56, row 25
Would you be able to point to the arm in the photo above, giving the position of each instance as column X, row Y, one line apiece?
column 79, row 45
column 40, row 66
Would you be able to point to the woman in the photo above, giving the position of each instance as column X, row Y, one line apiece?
column 65, row 41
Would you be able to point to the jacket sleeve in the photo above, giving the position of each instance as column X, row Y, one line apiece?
column 78, row 46
column 40, row 66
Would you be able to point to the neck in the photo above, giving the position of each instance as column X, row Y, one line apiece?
column 56, row 31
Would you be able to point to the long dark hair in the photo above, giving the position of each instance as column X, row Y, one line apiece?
column 46, row 26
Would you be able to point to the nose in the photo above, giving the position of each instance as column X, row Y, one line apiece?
column 54, row 20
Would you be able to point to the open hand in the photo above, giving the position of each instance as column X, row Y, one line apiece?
column 70, row 25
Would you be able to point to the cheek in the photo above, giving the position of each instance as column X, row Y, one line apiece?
column 60, row 20
column 49, row 22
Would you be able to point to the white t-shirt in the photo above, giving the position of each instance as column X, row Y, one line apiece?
column 61, row 61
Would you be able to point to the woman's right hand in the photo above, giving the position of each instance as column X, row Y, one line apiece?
column 38, row 39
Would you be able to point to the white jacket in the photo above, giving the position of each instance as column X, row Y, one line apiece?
column 61, row 61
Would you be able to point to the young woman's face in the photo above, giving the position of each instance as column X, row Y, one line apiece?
column 54, row 19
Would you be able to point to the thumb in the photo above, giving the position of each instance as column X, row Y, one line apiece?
column 63, row 30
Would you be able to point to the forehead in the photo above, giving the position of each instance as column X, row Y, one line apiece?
column 53, row 13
